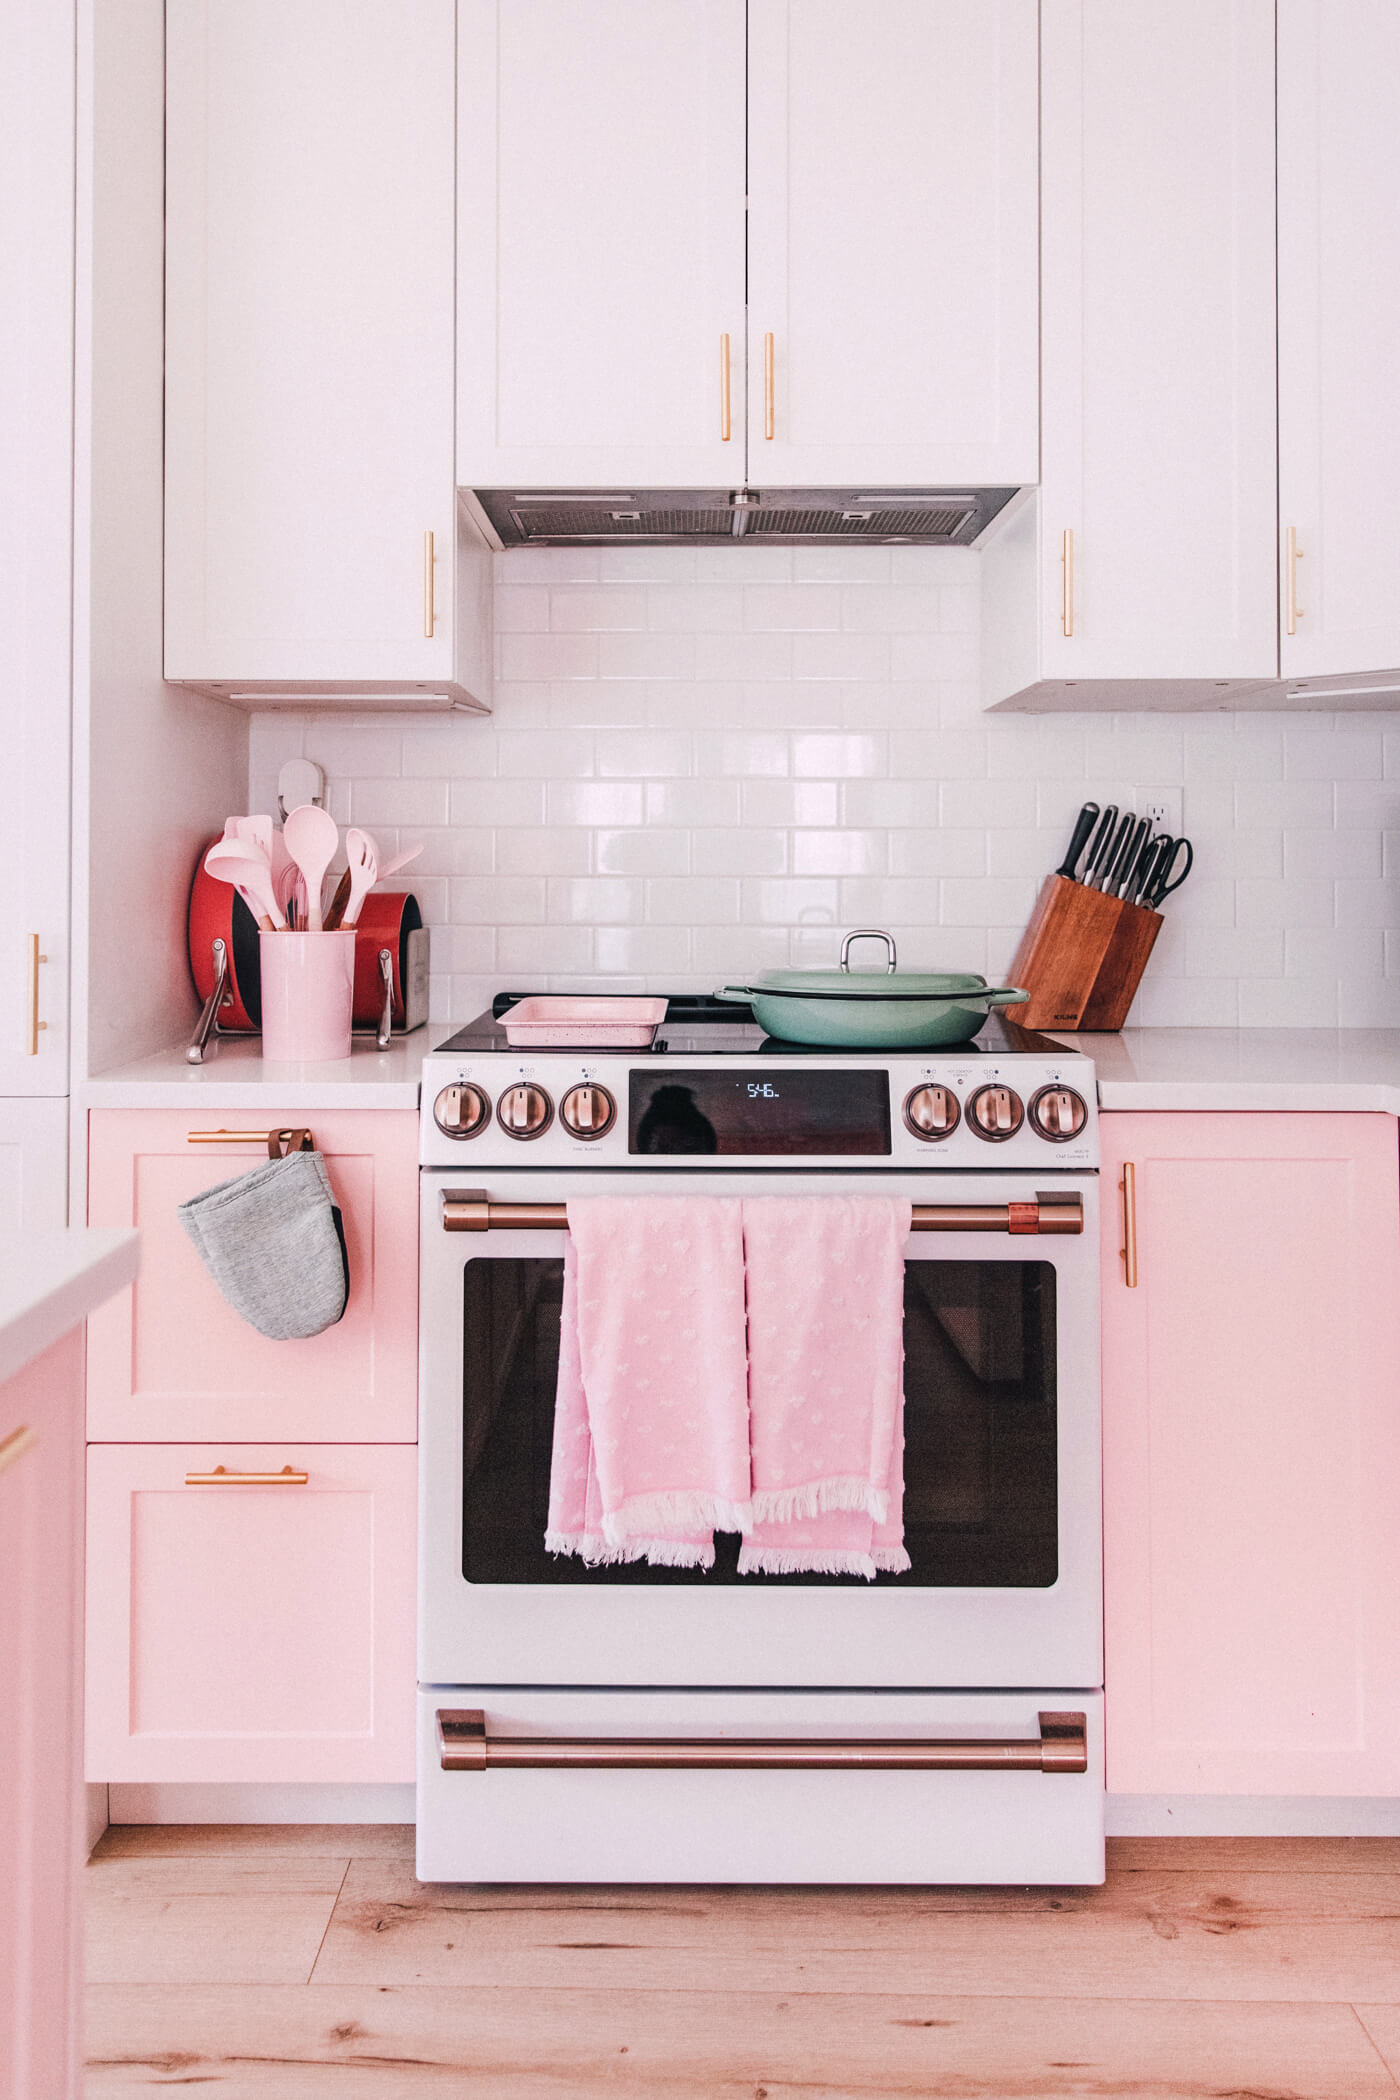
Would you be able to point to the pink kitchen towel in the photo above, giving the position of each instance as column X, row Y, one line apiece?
column 825, row 1287
column 651, row 1432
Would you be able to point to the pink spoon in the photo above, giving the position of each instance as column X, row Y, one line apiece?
column 311, row 837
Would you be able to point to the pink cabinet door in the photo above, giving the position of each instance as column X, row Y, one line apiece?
column 1251, row 1424
column 248, row 1632
column 41, row 1852
column 170, row 1360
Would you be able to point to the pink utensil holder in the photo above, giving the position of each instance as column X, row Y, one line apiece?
column 308, row 982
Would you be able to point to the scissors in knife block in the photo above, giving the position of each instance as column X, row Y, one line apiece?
column 1163, row 878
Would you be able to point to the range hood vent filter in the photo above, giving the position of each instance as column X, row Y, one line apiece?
column 600, row 517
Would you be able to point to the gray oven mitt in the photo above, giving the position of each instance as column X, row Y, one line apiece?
column 273, row 1242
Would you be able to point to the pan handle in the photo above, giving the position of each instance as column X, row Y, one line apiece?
column 1011, row 996
column 204, row 1026
column 734, row 994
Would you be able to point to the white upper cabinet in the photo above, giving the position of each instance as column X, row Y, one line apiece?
column 36, row 528
column 311, row 514
column 1339, row 337
column 601, row 243
column 892, row 242
column 1151, row 558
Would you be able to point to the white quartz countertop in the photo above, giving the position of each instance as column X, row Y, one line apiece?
column 49, row 1281
column 1246, row 1068
column 235, row 1074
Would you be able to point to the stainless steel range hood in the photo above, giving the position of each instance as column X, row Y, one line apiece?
column 772, row 517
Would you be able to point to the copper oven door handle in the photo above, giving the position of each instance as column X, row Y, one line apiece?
column 464, row 1746
column 472, row 1210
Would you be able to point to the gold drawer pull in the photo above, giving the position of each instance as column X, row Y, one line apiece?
column 429, row 602
column 768, row 386
column 1294, row 555
column 14, row 1446
column 1129, row 1187
column 221, row 1477
column 464, row 1746
column 724, row 423
column 35, row 1024
column 1067, row 604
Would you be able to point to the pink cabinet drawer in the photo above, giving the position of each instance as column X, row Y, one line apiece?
column 170, row 1360
column 248, row 1632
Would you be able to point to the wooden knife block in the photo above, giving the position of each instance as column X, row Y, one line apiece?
column 1081, row 957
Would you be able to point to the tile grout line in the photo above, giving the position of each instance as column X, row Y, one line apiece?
column 330, row 1919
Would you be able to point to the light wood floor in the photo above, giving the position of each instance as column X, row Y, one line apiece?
column 308, row 1964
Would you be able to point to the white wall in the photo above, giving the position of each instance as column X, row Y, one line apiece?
column 705, row 761
column 156, row 768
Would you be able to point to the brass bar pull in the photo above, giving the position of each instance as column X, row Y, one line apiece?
column 768, row 386
column 248, row 1137
column 1293, row 555
column 221, row 1477
column 472, row 1210
column 429, row 608
column 464, row 1746
column 1129, row 1187
column 1067, row 605
column 724, row 389
column 14, row 1446
column 35, row 1024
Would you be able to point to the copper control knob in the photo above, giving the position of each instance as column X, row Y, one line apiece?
column 588, row 1111
column 995, row 1113
column 462, row 1111
column 931, row 1113
column 1058, row 1113
column 525, row 1111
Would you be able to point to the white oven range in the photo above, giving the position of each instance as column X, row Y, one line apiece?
column 643, row 1724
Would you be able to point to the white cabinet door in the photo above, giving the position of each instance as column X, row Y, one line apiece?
column 600, row 242
column 892, row 241
column 1158, row 419
column 1339, row 334
column 33, row 1165
column 36, row 523
column 309, row 343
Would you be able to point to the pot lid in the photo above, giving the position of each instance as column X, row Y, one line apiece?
column 868, row 984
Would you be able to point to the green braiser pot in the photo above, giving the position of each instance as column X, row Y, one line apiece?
column 887, row 1009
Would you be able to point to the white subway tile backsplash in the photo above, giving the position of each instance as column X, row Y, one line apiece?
column 705, row 762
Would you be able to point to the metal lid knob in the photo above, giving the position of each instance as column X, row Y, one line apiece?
column 1058, row 1113
column 995, row 1113
column 525, row 1111
column 931, row 1113
column 588, row 1111
column 461, row 1111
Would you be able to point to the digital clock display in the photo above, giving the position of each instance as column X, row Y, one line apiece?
column 696, row 1113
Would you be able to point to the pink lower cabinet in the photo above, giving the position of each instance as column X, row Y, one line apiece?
column 246, row 1631
column 1251, row 1411
column 169, row 1360
column 41, row 1848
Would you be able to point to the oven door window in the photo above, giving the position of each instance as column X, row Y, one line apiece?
column 979, row 1428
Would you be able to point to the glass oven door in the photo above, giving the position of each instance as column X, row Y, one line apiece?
column 1001, row 1474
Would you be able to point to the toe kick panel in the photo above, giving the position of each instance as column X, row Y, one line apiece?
column 734, row 1786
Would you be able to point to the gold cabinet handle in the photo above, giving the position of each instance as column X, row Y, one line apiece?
column 15, row 1445
column 724, row 426
column 429, row 608
column 464, row 1745
column 768, row 386
column 1067, row 603
column 221, row 1477
column 1293, row 555
column 35, row 1024
column 1129, row 1250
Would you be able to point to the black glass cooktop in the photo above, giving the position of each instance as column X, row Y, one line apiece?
column 697, row 1025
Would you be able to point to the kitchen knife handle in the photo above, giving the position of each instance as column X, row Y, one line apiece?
column 1128, row 866
column 1114, row 860
column 1083, row 825
column 1099, row 849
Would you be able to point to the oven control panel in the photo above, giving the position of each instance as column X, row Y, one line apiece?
column 929, row 1112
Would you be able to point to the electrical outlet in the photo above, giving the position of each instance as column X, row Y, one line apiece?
column 1162, row 808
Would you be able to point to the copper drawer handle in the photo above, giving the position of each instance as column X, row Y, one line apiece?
column 472, row 1210
column 464, row 1746
column 221, row 1477
column 1129, row 1250
column 14, row 1446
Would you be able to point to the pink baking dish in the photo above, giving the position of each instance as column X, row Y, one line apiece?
column 615, row 1024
